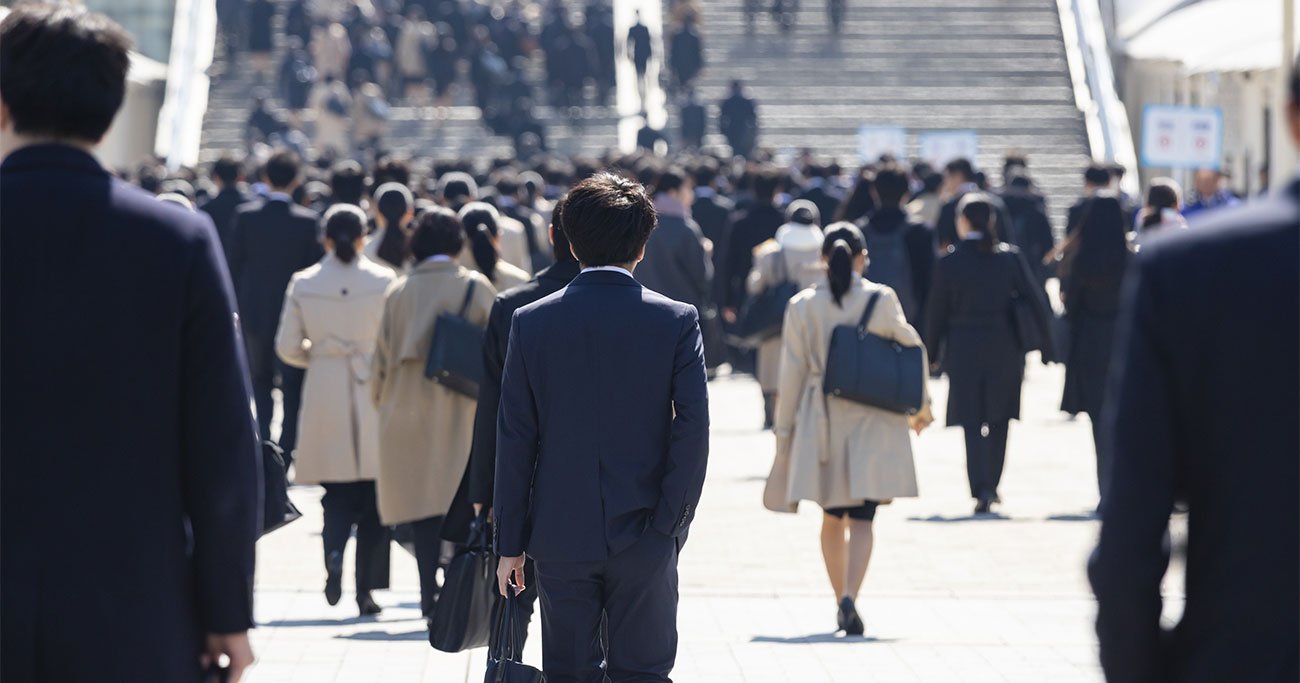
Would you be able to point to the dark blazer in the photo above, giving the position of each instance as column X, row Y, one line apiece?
column 269, row 242
column 945, row 228
column 969, row 326
column 694, row 124
column 826, row 203
column 1030, row 229
column 675, row 264
column 1203, row 411
column 919, row 241
column 480, row 474
column 130, row 483
column 713, row 215
column 757, row 225
column 604, row 425
column 222, row 210
column 1090, row 308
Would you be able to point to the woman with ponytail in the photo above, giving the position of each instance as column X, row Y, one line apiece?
column 844, row 456
column 393, row 208
column 329, row 325
column 981, row 288
column 483, row 246
column 1163, row 209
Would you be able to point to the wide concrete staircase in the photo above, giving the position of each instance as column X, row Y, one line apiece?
column 995, row 66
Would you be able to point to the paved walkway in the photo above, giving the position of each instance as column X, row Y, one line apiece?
column 947, row 598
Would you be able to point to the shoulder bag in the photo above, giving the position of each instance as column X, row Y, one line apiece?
column 874, row 371
column 456, row 352
column 462, row 618
column 763, row 314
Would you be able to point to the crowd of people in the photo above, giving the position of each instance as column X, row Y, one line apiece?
column 137, row 335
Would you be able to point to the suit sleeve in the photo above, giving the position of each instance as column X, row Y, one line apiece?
column 688, row 449
column 234, row 246
column 936, row 313
column 921, row 250
column 291, row 341
column 483, row 455
column 695, row 264
column 1037, row 296
column 221, row 470
column 1132, row 554
column 517, row 437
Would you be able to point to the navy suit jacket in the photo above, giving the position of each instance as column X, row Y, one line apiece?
column 222, row 210
column 268, row 242
column 1203, row 410
column 130, row 474
column 604, row 425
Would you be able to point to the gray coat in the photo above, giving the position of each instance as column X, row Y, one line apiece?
column 676, row 264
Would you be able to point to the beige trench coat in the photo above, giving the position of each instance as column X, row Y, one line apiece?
column 425, row 428
column 329, row 325
column 805, row 268
column 841, row 453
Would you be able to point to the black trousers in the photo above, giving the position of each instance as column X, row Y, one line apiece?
column 267, row 372
column 985, row 456
column 427, row 535
column 635, row 590
column 351, row 505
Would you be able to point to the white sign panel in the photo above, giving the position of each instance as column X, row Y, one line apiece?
column 940, row 147
column 877, row 141
column 1181, row 137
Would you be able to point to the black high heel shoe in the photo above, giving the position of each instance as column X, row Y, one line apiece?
column 367, row 606
column 334, row 578
column 849, row 620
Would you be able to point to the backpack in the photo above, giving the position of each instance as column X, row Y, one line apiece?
column 888, row 264
column 335, row 105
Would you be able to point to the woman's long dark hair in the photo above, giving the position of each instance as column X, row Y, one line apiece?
column 393, row 201
column 480, row 221
column 843, row 243
column 977, row 208
column 859, row 203
column 344, row 225
column 1102, row 242
column 1163, row 194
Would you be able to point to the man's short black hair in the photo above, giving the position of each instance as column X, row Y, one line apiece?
column 560, row 248
column 961, row 167
column 62, row 71
column 766, row 183
column 437, row 232
column 892, row 185
column 282, row 169
column 1096, row 174
column 457, row 188
column 608, row 220
column 227, row 169
column 347, row 182
column 705, row 172
column 670, row 180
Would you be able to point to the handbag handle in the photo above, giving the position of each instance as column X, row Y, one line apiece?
column 505, row 649
column 469, row 297
column 866, row 314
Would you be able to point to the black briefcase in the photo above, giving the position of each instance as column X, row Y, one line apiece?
column 504, row 663
column 456, row 352
column 871, row 370
column 277, row 509
column 462, row 618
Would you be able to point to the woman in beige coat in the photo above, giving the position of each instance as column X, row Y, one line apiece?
column 846, row 457
column 328, row 325
column 793, row 255
column 483, row 246
column 424, row 427
column 393, row 209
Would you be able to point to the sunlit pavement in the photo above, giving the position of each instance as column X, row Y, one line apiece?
column 947, row 598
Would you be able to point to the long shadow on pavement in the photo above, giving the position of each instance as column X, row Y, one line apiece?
column 820, row 638
column 295, row 623
column 990, row 517
column 420, row 634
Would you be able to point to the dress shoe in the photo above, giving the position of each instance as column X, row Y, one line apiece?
column 367, row 606
column 983, row 506
column 850, row 621
column 334, row 578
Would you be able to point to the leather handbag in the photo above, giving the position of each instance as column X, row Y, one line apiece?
column 456, row 352
column 462, row 618
column 762, row 315
column 874, row 371
column 277, row 509
column 504, row 663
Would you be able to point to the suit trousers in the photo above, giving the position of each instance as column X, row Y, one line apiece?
column 268, row 371
column 352, row 504
column 636, row 591
column 427, row 535
column 985, row 456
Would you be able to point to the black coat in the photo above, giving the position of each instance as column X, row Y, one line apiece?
column 756, row 226
column 686, row 54
column 1091, row 307
column 826, row 203
column 261, row 37
column 131, row 474
column 604, row 428
column 480, row 473
column 1203, row 410
column 694, row 122
column 1030, row 229
column 969, row 326
column 639, row 47
column 675, row 264
column 738, row 121
column 919, row 241
column 713, row 214
column 221, row 209
column 269, row 242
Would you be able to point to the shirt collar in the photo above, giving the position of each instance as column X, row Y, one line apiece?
column 437, row 258
column 705, row 192
column 279, row 197
column 669, row 206
column 616, row 269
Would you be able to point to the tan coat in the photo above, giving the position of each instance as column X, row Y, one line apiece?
column 840, row 453
column 507, row 276
column 329, row 324
column 804, row 267
column 425, row 428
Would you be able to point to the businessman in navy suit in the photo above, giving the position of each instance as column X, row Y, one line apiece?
column 603, row 438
